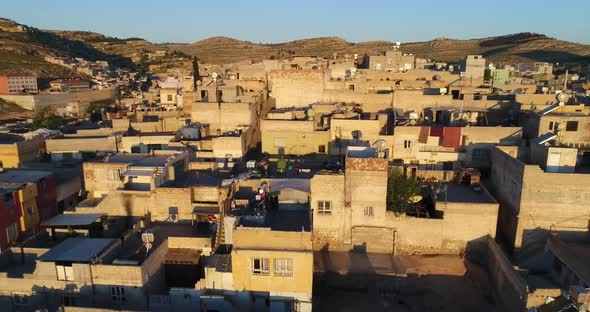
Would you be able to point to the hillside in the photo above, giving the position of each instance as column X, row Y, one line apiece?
column 26, row 48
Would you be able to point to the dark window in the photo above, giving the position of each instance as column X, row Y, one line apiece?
column 571, row 126
column 321, row 149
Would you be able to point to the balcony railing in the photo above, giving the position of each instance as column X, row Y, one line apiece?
column 439, row 149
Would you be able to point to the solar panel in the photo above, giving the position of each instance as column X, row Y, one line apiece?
column 549, row 109
column 545, row 138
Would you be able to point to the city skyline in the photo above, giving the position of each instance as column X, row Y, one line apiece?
column 188, row 22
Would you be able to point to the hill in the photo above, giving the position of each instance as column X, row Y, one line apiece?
column 25, row 47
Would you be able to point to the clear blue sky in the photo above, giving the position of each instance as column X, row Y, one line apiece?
column 287, row 20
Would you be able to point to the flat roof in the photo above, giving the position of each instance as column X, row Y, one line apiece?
column 461, row 193
column 77, row 250
column 296, row 184
column 73, row 219
column 22, row 175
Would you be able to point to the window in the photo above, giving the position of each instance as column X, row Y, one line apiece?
column 324, row 206
column 260, row 266
column 12, row 232
column 283, row 267
column 407, row 144
column 553, row 126
column 115, row 175
column 571, row 126
column 169, row 97
column 118, row 294
column 369, row 211
column 321, row 149
column 65, row 272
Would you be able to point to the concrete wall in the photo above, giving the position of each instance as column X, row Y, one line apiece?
column 74, row 145
column 224, row 117
column 53, row 101
column 508, row 288
column 532, row 199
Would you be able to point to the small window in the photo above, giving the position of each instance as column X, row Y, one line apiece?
column 260, row 266
column 552, row 126
column 322, row 149
column 12, row 232
column 351, row 87
column 407, row 144
column 169, row 97
column 369, row 211
column 571, row 126
column 283, row 267
column 324, row 207
column 118, row 294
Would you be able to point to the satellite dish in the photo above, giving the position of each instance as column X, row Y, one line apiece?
column 214, row 75
column 398, row 43
column 380, row 144
column 199, row 82
column 561, row 97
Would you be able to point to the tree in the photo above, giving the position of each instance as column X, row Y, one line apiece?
column 49, row 120
column 400, row 188
column 195, row 72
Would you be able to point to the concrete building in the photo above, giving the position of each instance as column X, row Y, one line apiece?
column 497, row 77
column 393, row 60
column 472, row 68
column 16, row 84
column 538, row 189
column 356, row 217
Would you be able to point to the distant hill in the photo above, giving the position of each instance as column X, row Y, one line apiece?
column 513, row 48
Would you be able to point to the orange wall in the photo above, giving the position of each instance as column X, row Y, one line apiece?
column 3, row 85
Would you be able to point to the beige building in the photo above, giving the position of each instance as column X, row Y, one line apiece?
column 356, row 217
column 538, row 189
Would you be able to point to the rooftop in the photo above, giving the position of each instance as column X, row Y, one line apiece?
column 16, row 176
column 461, row 193
column 279, row 220
column 72, row 219
column 77, row 250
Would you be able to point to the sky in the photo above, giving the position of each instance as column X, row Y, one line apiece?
column 274, row 21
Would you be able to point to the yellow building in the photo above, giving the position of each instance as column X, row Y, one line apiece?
column 276, row 264
column 30, row 211
column 15, row 150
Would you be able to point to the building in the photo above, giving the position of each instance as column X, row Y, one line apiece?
column 15, row 149
column 69, row 85
column 29, row 194
column 16, row 84
column 538, row 189
column 473, row 68
column 497, row 77
column 350, row 212
column 393, row 60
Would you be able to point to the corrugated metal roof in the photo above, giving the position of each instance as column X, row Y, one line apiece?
column 77, row 250
column 73, row 219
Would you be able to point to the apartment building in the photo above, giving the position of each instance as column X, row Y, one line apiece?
column 18, row 84
column 29, row 198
